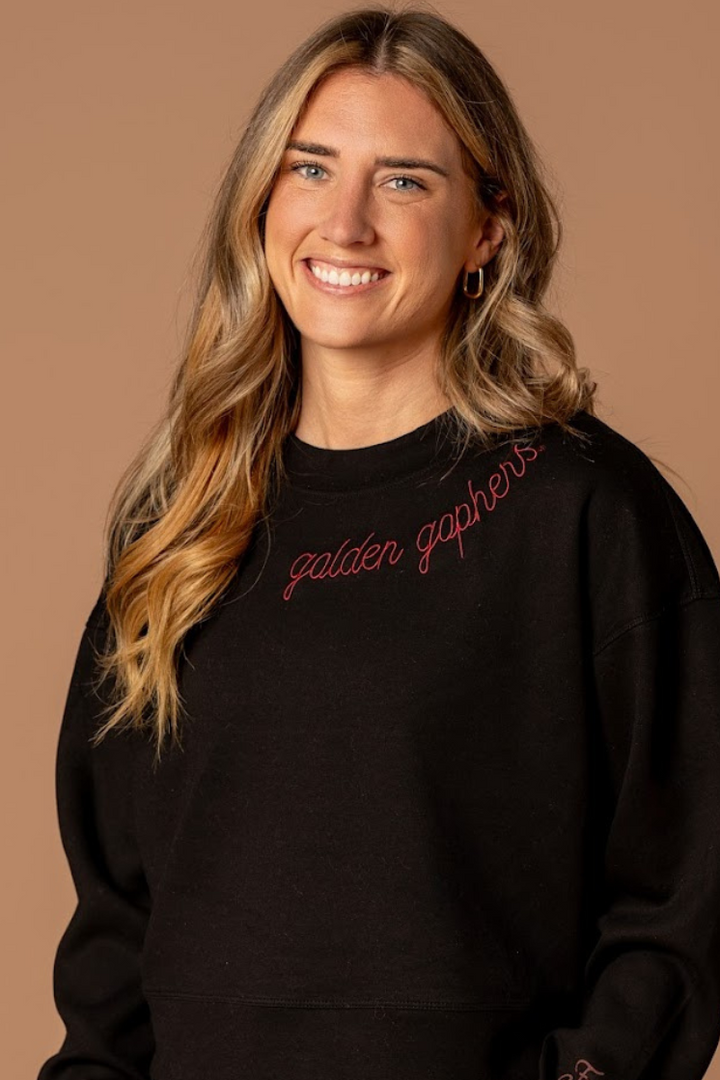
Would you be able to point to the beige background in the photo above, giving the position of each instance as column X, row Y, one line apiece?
column 118, row 121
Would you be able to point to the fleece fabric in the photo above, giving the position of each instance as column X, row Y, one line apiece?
column 447, row 805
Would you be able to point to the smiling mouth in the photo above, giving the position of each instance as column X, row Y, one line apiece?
column 341, row 282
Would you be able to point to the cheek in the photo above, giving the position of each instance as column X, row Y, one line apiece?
column 279, row 224
column 430, row 267
column 429, row 246
column 273, row 226
column 288, row 215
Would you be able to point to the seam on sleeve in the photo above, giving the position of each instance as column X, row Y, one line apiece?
column 642, row 619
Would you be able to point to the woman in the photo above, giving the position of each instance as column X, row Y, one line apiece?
column 410, row 765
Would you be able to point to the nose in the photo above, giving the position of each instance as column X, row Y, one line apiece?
column 347, row 218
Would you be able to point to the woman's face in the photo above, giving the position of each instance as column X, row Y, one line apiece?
column 335, row 204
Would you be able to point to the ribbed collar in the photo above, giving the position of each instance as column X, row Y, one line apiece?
column 316, row 468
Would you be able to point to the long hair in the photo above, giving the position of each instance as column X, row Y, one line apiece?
column 184, row 510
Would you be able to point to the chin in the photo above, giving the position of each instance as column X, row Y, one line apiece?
column 337, row 341
column 327, row 333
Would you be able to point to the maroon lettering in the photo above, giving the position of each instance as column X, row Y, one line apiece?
column 447, row 528
column 319, row 565
column 451, row 526
column 583, row 1070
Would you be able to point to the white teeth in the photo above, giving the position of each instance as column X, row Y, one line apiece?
column 332, row 277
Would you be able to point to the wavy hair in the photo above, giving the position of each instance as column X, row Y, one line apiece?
column 184, row 510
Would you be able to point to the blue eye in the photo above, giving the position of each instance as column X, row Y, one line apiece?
column 306, row 165
column 409, row 180
column 313, row 165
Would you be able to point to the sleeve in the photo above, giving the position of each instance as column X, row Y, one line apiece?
column 650, row 1007
column 96, row 976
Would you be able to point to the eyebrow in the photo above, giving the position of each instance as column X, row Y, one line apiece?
column 390, row 162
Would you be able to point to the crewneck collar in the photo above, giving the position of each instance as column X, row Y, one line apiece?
column 317, row 468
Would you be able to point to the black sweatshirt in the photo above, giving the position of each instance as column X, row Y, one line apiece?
column 448, row 801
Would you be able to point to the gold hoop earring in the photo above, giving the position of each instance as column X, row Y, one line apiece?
column 474, row 295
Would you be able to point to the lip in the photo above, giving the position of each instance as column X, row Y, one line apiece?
column 345, row 264
column 342, row 290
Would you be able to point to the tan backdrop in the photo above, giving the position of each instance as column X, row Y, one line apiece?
column 118, row 120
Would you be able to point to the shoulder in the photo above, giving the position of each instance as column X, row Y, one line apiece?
column 600, row 459
column 642, row 548
column 98, row 615
column 95, row 634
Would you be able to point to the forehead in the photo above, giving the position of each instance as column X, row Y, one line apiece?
column 385, row 111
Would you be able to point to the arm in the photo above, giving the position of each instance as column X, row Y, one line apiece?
column 650, row 1002
column 97, row 979
column 651, row 998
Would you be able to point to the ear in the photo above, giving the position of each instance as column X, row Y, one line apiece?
column 488, row 238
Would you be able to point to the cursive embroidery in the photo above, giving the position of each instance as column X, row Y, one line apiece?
column 329, row 564
column 583, row 1068
column 452, row 524
column 447, row 528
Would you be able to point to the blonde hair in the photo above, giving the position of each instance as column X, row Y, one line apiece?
column 184, row 510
